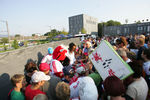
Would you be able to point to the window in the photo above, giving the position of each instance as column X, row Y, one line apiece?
column 125, row 30
column 148, row 28
column 140, row 28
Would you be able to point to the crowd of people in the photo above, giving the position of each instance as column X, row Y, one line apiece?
column 66, row 73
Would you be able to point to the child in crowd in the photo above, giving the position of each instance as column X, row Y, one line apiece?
column 30, row 68
column 18, row 81
column 56, row 66
column 44, row 67
column 38, row 79
column 68, row 74
column 63, row 91
column 40, row 97
column 47, row 59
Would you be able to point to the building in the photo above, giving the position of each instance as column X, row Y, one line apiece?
column 79, row 22
column 127, row 29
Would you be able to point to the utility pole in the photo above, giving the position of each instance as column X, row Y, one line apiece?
column 7, row 30
column 8, row 33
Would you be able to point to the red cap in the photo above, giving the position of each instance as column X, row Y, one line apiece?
column 44, row 67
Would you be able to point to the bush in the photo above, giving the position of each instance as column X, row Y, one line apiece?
column 5, row 47
column 15, row 44
column 26, row 43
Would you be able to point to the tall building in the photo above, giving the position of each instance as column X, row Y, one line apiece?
column 127, row 29
column 79, row 22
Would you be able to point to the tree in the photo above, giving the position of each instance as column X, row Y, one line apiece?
column 126, row 21
column 113, row 23
column 83, row 31
column 15, row 44
column 64, row 32
column 4, row 41
column 138, row 22
column 33, row 34
column 100, row 28
column 108, row 23
column 52, row 33
column 17, row 35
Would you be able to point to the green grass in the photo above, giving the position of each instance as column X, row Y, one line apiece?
column 6, row 50
column 37, row 41
column 2, row 46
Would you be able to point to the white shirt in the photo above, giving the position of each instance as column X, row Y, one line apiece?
column 84, row 88
column 88, row 89
column 74, row 89
column 71, row 56
column 138, row 89
column 47, row 59
column 56, row 66
column 146, row 67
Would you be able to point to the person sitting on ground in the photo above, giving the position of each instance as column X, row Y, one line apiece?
column 47, row 59
column 138, row 89
column 44, row 67
column 19, row 82
column 38, row 79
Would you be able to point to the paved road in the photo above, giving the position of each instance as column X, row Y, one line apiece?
column 13, row 62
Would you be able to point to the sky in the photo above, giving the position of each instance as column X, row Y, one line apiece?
column 27, row 17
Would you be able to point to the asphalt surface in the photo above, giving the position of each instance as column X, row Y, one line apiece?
column 13, row 62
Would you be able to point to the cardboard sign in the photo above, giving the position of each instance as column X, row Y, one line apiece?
column 107, row 62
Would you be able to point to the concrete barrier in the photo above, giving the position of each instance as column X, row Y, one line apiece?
column 13, row 62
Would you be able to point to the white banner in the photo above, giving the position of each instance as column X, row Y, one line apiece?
column 107, row 62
